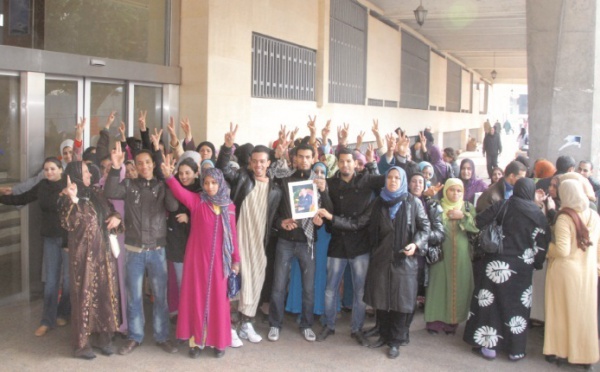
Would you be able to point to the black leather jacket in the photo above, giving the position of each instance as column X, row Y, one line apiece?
column 242, row 182
column 146, row 206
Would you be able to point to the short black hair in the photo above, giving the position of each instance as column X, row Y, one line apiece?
column 449, row 152
column 587, row 162
column 143, row 151
column 190, row 163
column 304, row 146
column 563, row 163
column 261, row 148
column 346, row 151
column 514, row 167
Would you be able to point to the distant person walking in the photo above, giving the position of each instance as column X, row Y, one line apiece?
column 492, row 147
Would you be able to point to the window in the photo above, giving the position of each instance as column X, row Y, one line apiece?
column 414, row 75
column 347, row 52
column 453, row 90
column 282, row 70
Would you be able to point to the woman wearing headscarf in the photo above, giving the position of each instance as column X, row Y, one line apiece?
column 571, row 281
column 442, row 170
column 472, row 184
column 330, row 162
column 55, row 312
column 501, row 301
column 89, row 218
column 451, row 280
column 294, row 298
column 211, row 255
column 416, row 186
column 398, row 233
column 426, row 169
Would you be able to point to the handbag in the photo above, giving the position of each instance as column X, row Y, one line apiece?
column 234, row 283
column 434, row 254
column 490, row 237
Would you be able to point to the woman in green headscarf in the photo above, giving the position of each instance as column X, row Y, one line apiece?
column 451, row 280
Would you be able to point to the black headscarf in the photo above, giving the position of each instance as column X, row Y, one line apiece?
column 75, row 172
column 523, row 200
column 242, row 153
column 212, row 147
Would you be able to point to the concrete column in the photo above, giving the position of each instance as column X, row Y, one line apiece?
column 563, row 69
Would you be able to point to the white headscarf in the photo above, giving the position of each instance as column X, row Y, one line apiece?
column 572, row 195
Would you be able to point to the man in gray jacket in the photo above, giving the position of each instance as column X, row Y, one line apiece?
column 147, row 200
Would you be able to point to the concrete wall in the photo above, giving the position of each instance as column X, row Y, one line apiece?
column 216, row 80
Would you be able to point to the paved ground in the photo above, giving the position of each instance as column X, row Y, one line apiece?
column 20, row 350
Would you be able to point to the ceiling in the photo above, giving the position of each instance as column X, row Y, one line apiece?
column 483, row 34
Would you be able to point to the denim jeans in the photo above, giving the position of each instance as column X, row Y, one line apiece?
column 55, row 259
column 335, row 271
column 285, row 251
column 156, row 263
column 178, row 266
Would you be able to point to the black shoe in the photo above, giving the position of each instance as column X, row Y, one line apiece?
column 432, row 331
column 325, row 332
column 167, row 346
column 393, row 352
column 107, row 350
column 404, row 342
column 373, row 332
column 194, row 352
column 550, row 358
column 219, row 353
column 450, row 333
column 360, row 338
column 377, row 344
column 86, row 354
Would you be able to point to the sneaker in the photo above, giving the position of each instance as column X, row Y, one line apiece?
column 309, row 335
column 235, row 340
column 247, row 332
column 273, row 334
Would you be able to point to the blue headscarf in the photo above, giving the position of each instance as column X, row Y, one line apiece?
column 389, row 196
column 221, row 199
column 320, row 165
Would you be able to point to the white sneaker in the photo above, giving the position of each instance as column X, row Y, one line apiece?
column 309, row 335
column 247, row 332
column 273, row 334
column 235, row 340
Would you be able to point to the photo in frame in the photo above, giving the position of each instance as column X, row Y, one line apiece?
column 303, row 199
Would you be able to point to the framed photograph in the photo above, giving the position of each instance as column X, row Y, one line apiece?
column 303, row 199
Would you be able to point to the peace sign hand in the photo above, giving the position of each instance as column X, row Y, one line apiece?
column 71, row 190
column 142, row 120
column 168, row 165
column 230, row 136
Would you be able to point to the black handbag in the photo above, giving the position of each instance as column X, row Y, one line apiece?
column 434, row 254
column 234, row 283
column 490, row 237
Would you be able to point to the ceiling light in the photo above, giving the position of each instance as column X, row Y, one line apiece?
column 420, row 14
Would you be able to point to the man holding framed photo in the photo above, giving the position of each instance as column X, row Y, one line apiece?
column 296, row 239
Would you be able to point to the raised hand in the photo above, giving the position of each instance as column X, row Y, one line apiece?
column 117, row 157
column 375, row 128
column 71, row 189
column 79, row 129
column 230, row 136
column 142, row 120
column 343, row 134
column 170, row 128
column 283, row 134
column 433, row 190
column 391, row 141
column 403, row 145
column 168, row 165
column 423, row 140
column 369, row 153
column 359, row 139
column 155, row 138
column 186, row 128
column 122, row 131
column 312, row 125
column 325, row 131
column 110, row 120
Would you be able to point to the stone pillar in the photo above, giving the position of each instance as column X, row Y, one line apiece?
column 563, row 69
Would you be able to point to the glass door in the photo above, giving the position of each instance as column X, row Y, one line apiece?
column 11, row 252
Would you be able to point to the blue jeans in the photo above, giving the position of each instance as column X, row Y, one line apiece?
column 156, row 263
column 178, row 266
column 55, row 258
column 335, row 271
column 285, row 251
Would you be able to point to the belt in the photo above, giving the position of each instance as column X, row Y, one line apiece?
column 132, row 248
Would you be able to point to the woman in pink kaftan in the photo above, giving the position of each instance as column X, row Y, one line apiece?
column 211, row 255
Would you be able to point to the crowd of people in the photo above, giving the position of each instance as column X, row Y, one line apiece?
column 389, row 222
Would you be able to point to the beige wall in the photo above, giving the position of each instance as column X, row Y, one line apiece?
column 216, row 77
